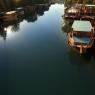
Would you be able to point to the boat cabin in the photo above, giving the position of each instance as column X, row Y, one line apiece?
column 81, row 35
column 81, row 11
column 10, row 16
column 73, row 13
column 88, row 10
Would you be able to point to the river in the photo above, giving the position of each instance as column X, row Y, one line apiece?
column 35, row 58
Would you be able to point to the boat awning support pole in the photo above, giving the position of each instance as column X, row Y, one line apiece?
column 81, row 50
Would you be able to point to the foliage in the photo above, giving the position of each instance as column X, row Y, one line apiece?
column 80, row 1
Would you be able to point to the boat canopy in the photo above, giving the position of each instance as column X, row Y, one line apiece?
column 72, row 10
column 90, row 5
column 10, row 12
column 82, row 26
column 83, row 40
column 86, row 5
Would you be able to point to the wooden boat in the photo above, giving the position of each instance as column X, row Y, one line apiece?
column 71, row 16
column 81, row 37
column 20, row 11
column 10, row 16
column 72, row 13
column 80, row 11
column 88, row 17
column 88, row 10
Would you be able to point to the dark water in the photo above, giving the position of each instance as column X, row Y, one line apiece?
column 35, row 58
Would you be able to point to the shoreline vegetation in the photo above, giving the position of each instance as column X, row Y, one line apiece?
column 79, row 1
column 11, row 4
column 68, row 3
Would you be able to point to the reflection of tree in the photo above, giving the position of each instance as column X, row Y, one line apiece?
column 3, row 34
column 31, row 12
column 40, row 9
column 2, row 31
column 7, row 4
column 15, row 27
column 11, row 4
column 5, row 25
column 66, row 27
column 31, row 17
column 31, row 8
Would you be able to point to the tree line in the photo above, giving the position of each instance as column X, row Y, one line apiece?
column 11, row 4
column 79, row 1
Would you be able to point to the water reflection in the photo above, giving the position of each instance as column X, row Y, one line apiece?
column 39, row 58
column 75, row 58
column 5, row 27
column 30, row 13
column 66, row 27
column 2, row 31
column 12, row 4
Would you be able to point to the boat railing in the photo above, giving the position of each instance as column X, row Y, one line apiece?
column 83, row 45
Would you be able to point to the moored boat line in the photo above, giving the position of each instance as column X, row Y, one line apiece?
column 82, row 34
column 80, row 11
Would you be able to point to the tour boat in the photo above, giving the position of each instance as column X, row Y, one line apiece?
column 80, row 11
column 72, row 13
column 81, row 36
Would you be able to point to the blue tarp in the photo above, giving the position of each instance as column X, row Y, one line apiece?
column 83, row 40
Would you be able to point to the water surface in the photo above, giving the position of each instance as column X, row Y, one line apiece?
column 35, row 58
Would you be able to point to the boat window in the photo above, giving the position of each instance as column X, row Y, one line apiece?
column 82, row 34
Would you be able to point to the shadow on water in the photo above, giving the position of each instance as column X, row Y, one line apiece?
column 83, row 66
column 75, row 58
column 85, row 59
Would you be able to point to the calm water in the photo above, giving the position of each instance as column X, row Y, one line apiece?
column 35, row 58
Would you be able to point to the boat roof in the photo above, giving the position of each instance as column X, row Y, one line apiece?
column 87, row 5
column 82, row 26
column 72, row 10
column 83, row 40
column 90, row 5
